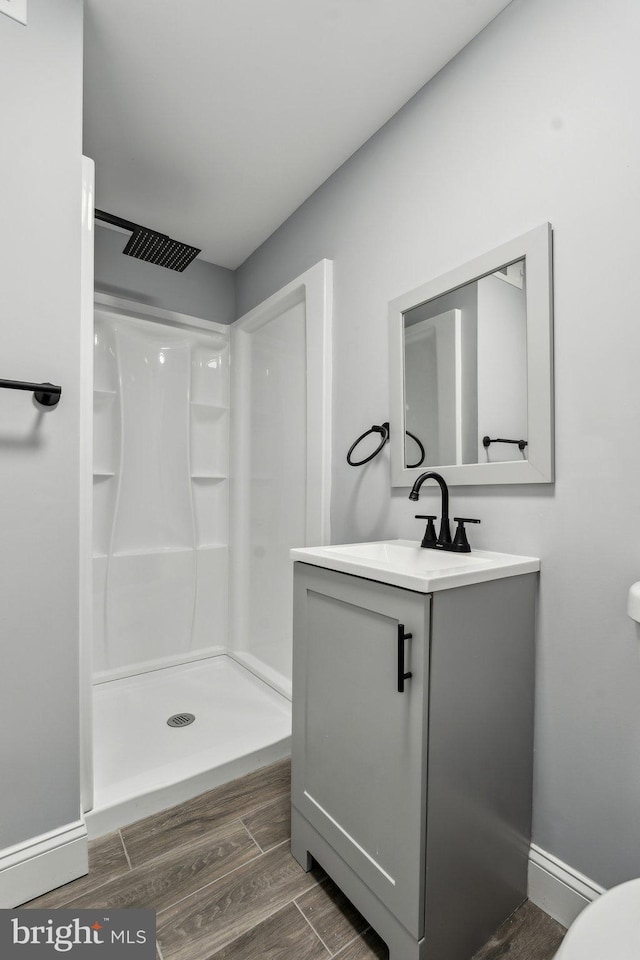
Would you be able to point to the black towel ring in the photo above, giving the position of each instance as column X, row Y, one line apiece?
column 419, row 463
column 383, row 429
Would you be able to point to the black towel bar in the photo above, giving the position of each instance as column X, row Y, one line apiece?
column 487, row 441
column 48, row 394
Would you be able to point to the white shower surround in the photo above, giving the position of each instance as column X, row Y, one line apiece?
column 161, row 438
column 308, row 301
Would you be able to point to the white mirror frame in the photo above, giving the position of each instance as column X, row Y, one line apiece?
column 535, row 247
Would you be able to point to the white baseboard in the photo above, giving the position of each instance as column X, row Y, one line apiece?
column 32, row 868
column 29, row 869
column 557, row 888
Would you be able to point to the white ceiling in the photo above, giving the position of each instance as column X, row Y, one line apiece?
column 213, row 120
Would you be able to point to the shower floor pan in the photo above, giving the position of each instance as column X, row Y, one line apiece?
column 143, row 765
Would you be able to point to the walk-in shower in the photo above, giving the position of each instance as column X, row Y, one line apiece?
column 178, row 451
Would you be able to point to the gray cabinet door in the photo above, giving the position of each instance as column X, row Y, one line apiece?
column 359, row 746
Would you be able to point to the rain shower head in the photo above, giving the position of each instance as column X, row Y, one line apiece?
column 157, row 248
column 145, row 244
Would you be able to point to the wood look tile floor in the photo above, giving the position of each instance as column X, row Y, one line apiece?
column 218, row 871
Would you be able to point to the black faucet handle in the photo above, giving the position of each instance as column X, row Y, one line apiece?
column 430, row 540
column 460, row 543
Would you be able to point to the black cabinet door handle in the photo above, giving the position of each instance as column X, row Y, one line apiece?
column 402, row 676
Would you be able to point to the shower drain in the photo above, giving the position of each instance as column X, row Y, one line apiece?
column 180, row 720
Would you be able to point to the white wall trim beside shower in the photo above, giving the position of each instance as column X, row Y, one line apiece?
column 557, row 888
column 27, row 870
column 85, row 578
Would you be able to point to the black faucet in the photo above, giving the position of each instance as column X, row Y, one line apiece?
column 445, row 531
column 443, row 540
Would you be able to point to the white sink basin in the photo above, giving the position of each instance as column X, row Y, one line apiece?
column 404, row 563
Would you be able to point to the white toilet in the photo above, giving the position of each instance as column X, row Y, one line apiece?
column 608, row 929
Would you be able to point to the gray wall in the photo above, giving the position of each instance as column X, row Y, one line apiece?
column 203, row 290
column 535, row 120
column 40, row 184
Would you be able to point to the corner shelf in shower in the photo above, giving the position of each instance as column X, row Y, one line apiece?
column 152, row 551
column 162, row 551
column 210, row 477
column 205, row 405
column 104, row 454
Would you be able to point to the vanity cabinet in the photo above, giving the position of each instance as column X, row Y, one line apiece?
column 417, row 802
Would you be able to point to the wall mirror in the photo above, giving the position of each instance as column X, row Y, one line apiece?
column 471, row 369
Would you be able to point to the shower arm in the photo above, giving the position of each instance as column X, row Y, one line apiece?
column 116, row 221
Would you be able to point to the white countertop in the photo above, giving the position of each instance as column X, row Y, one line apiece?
column 404, row 563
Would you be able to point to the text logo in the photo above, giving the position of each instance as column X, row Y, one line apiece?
column 80, row 934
